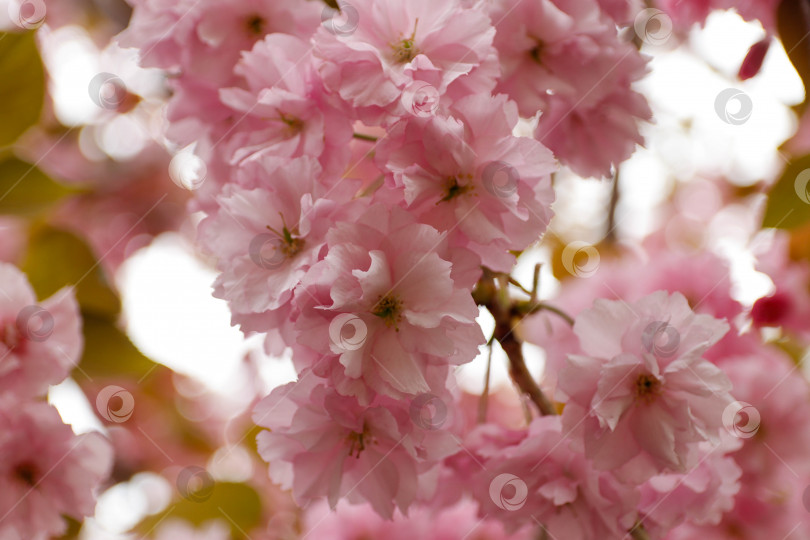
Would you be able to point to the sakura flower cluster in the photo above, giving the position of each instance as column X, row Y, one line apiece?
column 47, row 471
column 368, row 192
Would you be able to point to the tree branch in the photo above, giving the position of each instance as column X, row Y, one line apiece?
column 610, row 235
column 507, row 316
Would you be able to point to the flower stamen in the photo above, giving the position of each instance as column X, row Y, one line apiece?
column 648, row 387
column 389, row 309
column 454, row 189
column 27, row 472
column 537, row 51
column 291, row 243
column 358, row 441
column 255, row 24
column 405, row 50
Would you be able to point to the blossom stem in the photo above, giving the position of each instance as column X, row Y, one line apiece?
column 483, row 402
column 507, row 316
column 364, row 137
column 610, row 236
column 520, row 373
column 557, row 311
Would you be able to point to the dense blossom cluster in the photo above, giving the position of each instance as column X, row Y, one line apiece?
column 373, row 170
column 363, row 167
column 47, row 471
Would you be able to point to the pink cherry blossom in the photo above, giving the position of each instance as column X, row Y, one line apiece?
column 607, row 127
column 686, row 13
column 754, row 516
column 543, row 480
column 12, row 239
column 775, row 399
column 385, row 46
column 176, row 529
column 621, row 11
column 324, row 445
column 200, row 42
column 457, row 522
column 642, row 393
column 39, row 343
column 631, row 274
column 284, row 111
column 468, row 175
column 701, row 496
column 788, row 304
column 267, row 231
column 566, row 60
column 409, row 291
column 162, row 29
column 205, row 37
column 373, row 174
column 47, row 471
column 542, row 46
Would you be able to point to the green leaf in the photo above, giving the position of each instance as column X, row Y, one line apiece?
column 57, row 258
column 237, row 505
column 108, row 352
column 22, row 85
column 789, row 200
column 793, row 24
column 24, row 189
column 73, row 529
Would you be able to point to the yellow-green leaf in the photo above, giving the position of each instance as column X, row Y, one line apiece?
column 57, row 258
column 22, row 85
column 789, row 200
column 24, row 189
column 237, row 505
column 108, row 352
column 73, row 528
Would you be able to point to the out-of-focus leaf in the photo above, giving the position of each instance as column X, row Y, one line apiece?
column 57, row 258
column 793, row 23
column 238, row 505
column 789, row 200
column 791, row 348
column 108, row 352
column 73, row 529
column 24, row 189
column 800, row 243
column 22, row 85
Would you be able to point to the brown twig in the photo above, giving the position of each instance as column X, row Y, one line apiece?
column 507, row 316
column 491, row 292
column 483, row 402
column 610, row 235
